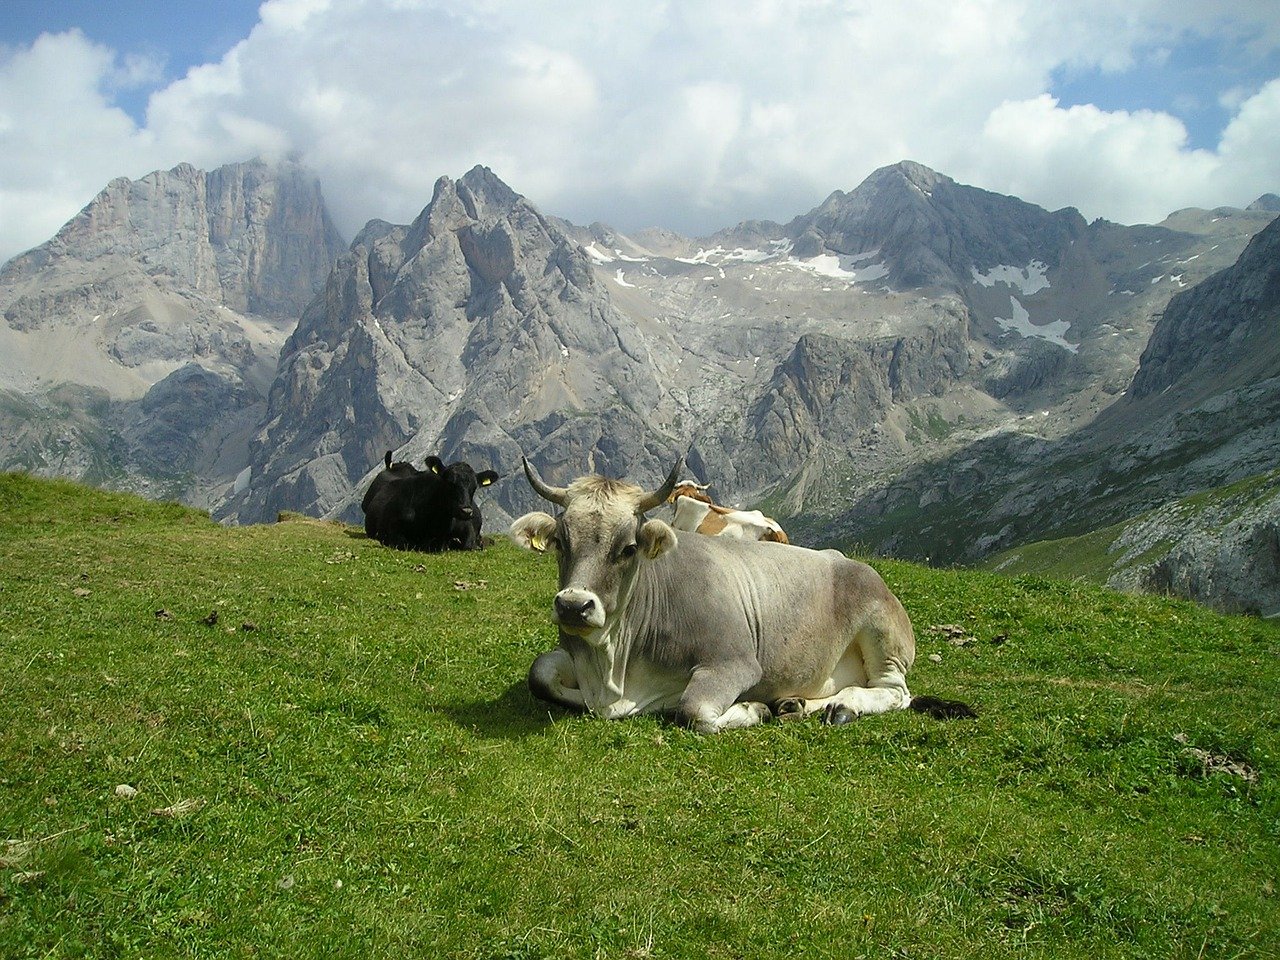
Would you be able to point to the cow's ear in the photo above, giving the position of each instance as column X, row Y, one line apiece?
column 535, row 531
column 434, row 464
column 486, row 477
column 656, row 538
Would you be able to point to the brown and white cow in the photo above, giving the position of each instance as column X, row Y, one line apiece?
column 719, row 632
column 696, row 513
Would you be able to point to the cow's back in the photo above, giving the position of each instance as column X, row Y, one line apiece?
column 795, row 610
column 391, row 474
column 401, row 511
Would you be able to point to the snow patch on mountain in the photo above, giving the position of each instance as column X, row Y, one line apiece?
column 1020, row 322
column 596, row 254
column 839, row 268
column 1029, row 279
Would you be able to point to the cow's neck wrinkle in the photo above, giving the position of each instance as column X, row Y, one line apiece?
column 601, row 661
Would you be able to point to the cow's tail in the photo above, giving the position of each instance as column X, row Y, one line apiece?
column 941, row 709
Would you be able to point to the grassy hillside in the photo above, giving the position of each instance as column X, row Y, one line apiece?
column 1123, row 552
column 347, row 764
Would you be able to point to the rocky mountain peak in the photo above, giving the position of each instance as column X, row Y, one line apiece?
column 254, row 236
column 477, row 332
column 1267, row 203
column 152, row 322
column 478, row 197
column 913, row 174
column 929, row 231
column 487, row 192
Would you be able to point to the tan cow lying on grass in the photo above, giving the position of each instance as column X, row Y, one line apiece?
column 717, row 632
column 696, row 513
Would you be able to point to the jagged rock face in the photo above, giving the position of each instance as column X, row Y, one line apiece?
column 834, row 388
column 167, row 299
column 1225, row 324
column 251, row 236
column 479, row 332
column 168, row 428
column 178, row 266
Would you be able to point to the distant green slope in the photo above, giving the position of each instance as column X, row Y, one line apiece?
column 345, row 762
column 1145, row 551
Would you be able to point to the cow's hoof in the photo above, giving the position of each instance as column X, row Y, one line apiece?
column 792, row 708
column 837, row 714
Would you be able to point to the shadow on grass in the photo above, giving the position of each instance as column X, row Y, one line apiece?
column 512, row 715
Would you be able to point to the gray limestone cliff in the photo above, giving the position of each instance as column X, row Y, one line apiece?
column 254, row 237
column 477, row 332
column 1221, row 332
column 162, row 306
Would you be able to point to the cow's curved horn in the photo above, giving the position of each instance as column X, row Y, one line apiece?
column 557, row 495
column 651, row 500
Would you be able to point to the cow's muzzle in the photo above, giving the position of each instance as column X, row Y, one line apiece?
column 578, row 611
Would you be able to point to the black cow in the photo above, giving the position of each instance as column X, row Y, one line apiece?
column 390, row 473
column 432, row 509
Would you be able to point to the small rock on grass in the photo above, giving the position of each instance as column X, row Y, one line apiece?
column 179, row 809
column 125, row 791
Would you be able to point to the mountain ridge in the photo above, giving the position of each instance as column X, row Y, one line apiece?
column 829, row 367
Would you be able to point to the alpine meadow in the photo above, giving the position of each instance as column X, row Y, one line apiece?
column 720, row 480
column 287, row 740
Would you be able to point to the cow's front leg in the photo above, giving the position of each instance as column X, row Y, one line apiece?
column 709, row 702
column 552, row 678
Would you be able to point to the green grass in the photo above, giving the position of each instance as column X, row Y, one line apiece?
column 928, row 426
column 1088, row 556
column 363, row 773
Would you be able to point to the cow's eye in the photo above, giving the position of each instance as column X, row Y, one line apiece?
column 627, row 552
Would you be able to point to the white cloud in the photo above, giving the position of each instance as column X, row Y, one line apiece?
column 691, row 115
column 1250, row 148
column 1132, row 167
column 1125, row 166
column 61, row 139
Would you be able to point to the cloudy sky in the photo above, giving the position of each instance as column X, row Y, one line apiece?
column 692, row 114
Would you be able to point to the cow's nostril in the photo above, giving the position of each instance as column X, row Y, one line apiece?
column 572, row 609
